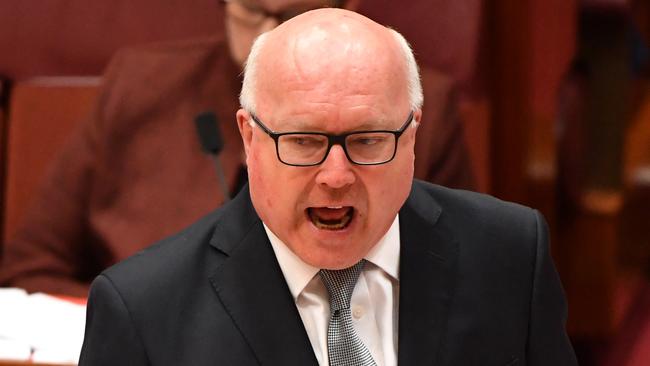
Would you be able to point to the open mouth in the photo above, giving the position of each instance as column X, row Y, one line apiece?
column 331, row 218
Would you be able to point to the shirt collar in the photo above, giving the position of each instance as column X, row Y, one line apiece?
column 384, row 254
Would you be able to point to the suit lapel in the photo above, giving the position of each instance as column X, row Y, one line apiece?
column 427, row 272
column 253, row 290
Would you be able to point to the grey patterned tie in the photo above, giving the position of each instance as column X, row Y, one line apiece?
column 343, row 344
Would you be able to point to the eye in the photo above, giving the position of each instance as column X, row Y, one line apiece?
column 367, row 140
column 304, row 140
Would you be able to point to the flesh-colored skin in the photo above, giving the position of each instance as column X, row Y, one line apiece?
column 334, row 71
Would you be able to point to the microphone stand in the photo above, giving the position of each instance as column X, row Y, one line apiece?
column 207, row 128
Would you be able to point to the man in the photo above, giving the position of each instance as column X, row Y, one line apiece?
column 331, row 103
column 134, row 171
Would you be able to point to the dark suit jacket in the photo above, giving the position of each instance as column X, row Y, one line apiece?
column 134, row 172
column 477, row 287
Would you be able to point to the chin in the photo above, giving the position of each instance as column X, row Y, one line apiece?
column 330, row 259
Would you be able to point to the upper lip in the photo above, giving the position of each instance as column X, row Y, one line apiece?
column 331, row 205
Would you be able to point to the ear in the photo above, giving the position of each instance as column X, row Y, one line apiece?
column 245, row 129
column 417, row 117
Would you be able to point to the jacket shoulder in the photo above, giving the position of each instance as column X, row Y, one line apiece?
column 458, row 201
column 188, row 257
column 476, row 219
column 162, row 66
column 169, row 51
column 167, row 261
column 162, row 78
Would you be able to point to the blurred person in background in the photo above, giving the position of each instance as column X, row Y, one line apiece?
column 133, row 172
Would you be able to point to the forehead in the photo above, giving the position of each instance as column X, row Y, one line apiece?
column 334, row 104
column 347, row 78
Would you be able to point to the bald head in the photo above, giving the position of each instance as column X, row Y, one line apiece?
column 330, row 50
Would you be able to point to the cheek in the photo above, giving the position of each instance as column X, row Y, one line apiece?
column 269, row 180
column 394, row 185
column 260, row 181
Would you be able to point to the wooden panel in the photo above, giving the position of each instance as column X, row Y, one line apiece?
column 4, row 95
column 529, row 45
column 42, row 113
column 507, row 69
column 591, row 217
column 475, row 115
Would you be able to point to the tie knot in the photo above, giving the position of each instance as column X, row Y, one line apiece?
column 340, row 284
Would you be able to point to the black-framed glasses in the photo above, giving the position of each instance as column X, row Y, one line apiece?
column 371, row 147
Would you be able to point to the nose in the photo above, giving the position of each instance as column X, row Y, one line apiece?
column 336, row 171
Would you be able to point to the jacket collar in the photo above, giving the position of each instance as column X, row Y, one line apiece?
column 253, row 291
column 428, row 264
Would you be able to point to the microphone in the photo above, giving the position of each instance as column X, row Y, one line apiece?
column 207, row 128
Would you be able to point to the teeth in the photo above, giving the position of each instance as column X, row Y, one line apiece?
column 332, row 226
column 334, row 207
column 335, row 224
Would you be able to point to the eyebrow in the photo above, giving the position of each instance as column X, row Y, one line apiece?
column 290, row 127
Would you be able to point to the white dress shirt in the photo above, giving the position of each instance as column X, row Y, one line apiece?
column 374, row 302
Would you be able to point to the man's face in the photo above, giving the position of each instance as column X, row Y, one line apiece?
column 332, row 214
column 247, row 19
